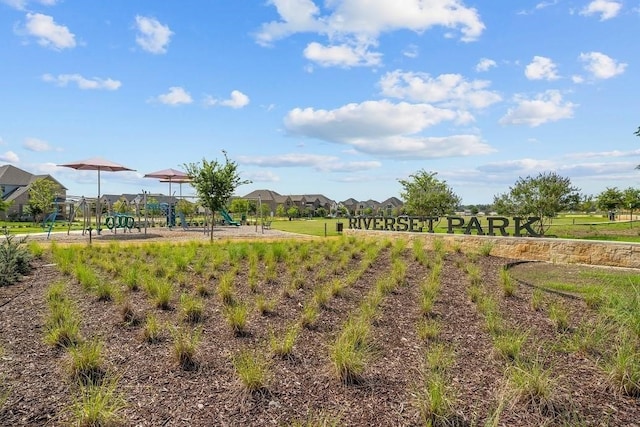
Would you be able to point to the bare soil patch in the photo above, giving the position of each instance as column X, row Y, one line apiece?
column 303, row 387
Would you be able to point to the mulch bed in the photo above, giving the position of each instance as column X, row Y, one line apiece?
column 303, row 388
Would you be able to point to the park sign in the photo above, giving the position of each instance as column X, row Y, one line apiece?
column 495, row 225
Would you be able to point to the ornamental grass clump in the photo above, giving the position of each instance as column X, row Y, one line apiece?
column 532, row 384
column 428, row 329
column 151, row 330
column 435, row 397
column 62, row 325
column 624, row 366
column 559, row 316
column 507, row 283
column 98, row 405
column 185, row 346
column 282, row 345
column 509, row 344
column 351, row 351
column 86, row 362
column 265, row 306
column 253, row 369
column 236, row 316
column 191, row 308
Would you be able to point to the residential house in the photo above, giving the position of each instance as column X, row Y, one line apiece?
column 14, row 188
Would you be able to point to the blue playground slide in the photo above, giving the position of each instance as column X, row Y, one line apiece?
column 228, row 218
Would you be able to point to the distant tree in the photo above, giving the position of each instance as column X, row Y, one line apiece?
column 121, row 206
column 153, row 209
column 281, row 212
column 185, row 207
column 543, row 196
column 424, row 194
column 474, row 210
column 587, row 204
column 342, row 211
column 265, row 210
column 239, row 206
column 321, row 212
column 214, row 182
column 610, row 199
column 293, row 212
column 367, row 211
column 5, row 205
column 631, row 200
column 42, row 195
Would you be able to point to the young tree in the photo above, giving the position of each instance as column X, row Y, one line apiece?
column 239, row 206
column 610, row 199
column 214, row 182
column 424, row 194
column 293, row 212
column 281, row 212
column 543, row 196
column 121, row 206
column 631, row 200
column 42, row 195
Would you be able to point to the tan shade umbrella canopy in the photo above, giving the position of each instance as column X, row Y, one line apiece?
column 169, row 175
column 97, row 164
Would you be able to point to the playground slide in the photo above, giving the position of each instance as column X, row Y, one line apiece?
column 228, row 218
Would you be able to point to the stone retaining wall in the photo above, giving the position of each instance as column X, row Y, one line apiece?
column 563, row 251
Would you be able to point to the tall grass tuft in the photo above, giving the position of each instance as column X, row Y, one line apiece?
column 252, row 369
column 191, row 308
column 185, row 346
column 624, row 366
column 351, row 351
column 508, row 283
column 98, row 405
column 532, row 384
column 236, row 316
column 151, row 331
column 282, row 346
column 86, row 362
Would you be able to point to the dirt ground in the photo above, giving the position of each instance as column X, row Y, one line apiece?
column 303, row 389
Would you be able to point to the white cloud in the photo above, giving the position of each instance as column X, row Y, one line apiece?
column 237, row 100
column 485, row 64
column 545, row 107
column 448, row 90
column 601, row 66
column 48, row 33
column 384, row 129
column 175, row 96
column 9, row 157
column 342, row 55
column 607, row 9
column 411, row 51
column 541, row 68
column 318, row 162
column 37, row 145
column 262, row 176
column 82, row 82
column 352, row 26
column 152, row 35
column 22, row 4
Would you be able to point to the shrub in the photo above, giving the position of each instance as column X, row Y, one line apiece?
column 14, row 260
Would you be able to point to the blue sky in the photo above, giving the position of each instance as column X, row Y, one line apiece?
column 340, row 97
